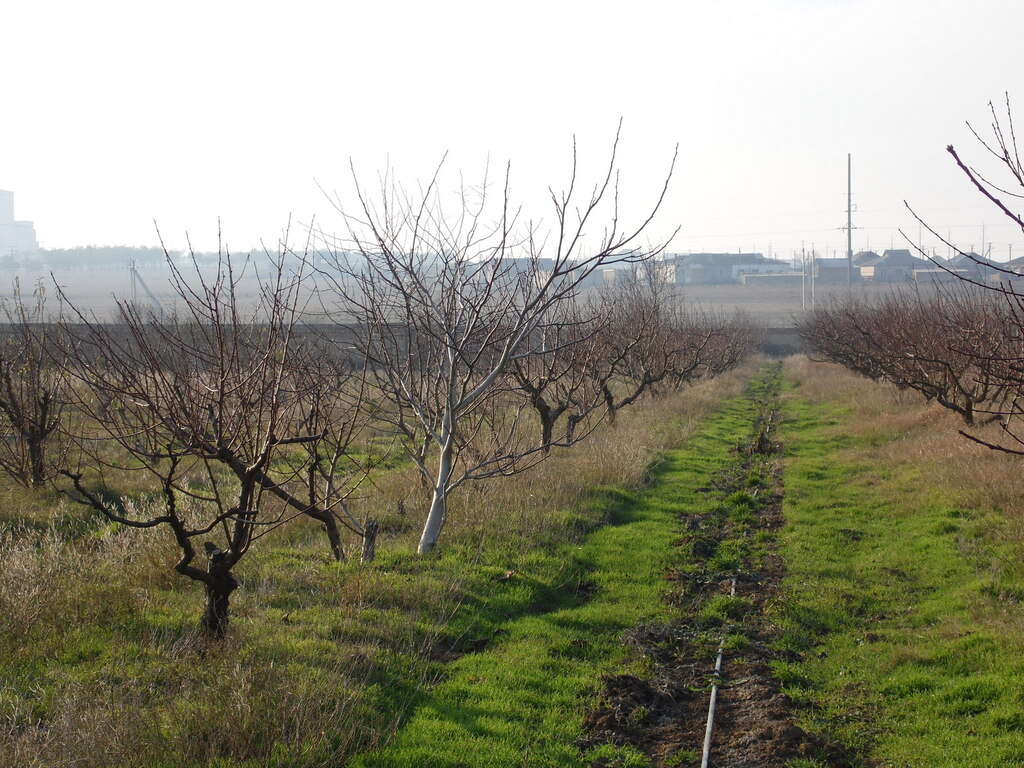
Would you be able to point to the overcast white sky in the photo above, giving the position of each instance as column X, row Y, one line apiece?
column 119, row 114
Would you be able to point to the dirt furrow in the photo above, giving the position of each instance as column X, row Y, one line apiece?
column 728, row 540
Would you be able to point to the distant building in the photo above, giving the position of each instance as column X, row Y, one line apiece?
column 861, row 258
column 977, row 268
column 1015, row 265
column 16, row 237
column 786, row 279
column 893, row 266
column 612, row 276
column 937, row 275
column 835, row 271
column 716, row 268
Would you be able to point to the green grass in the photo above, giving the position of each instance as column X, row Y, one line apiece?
column 900, row 620
column 101, row 665
column 911, row 649
column 520, row 701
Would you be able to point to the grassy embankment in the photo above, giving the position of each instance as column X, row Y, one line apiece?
column 905, row 586
column 100, row 661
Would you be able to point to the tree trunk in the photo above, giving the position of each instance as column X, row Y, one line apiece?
column 37, row 459
column 334, row 537
column 547, row 421
column 609, row 402
column 370, row 541
column 326, row 519
column 570, row 427
column 439, row 503
column 548, row 415
column 547, row 428
column 612, row 412
column 218, row 592
column 37, row 441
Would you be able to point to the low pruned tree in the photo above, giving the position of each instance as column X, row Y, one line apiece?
column 219, row 405
column 32, row 396
column 950, row 345
column 555, row 380
column 961, row 345
column 650, row 338
column 1004, row 365
column 335, row 461
column 731, row 339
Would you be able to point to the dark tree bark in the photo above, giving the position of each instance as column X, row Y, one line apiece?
column 219, row 586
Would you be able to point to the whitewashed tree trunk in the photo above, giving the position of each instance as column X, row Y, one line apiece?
column 439, row 502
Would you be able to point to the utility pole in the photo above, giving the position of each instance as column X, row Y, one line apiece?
column 803, row 277
column 133, row 268
column 849, row 223
column 814, row 259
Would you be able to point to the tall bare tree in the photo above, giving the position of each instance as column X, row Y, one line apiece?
column 445, row 301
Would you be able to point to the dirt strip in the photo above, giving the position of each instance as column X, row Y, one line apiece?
column 664, row 713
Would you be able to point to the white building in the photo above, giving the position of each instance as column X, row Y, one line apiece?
column 17, row 238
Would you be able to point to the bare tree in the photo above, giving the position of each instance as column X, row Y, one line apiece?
column 635, row 341
column 333, row 384
column 730, row 339
column 218, row 405
column 648, row 337
column 32, row 396
column 951, row 345
column 959, row 346
column 556, row 379
column 446, row 301
column 1004, row 365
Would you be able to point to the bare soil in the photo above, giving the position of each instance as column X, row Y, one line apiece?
column 664, row 714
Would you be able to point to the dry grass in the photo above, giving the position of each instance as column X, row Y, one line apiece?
column 222, row 709
column 51, row 583
column 618, row 455
column 522, row 505
column 102, row 665
column 949, row 465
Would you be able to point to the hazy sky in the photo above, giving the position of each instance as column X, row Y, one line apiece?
column 119, row 114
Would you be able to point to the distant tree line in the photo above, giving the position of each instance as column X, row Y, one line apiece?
column 120, row 256
column 101, row 256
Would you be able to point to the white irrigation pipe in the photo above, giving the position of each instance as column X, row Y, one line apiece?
column 714, row 694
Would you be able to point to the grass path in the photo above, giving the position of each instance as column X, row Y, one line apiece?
column 912, row 647
column 520, row 702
